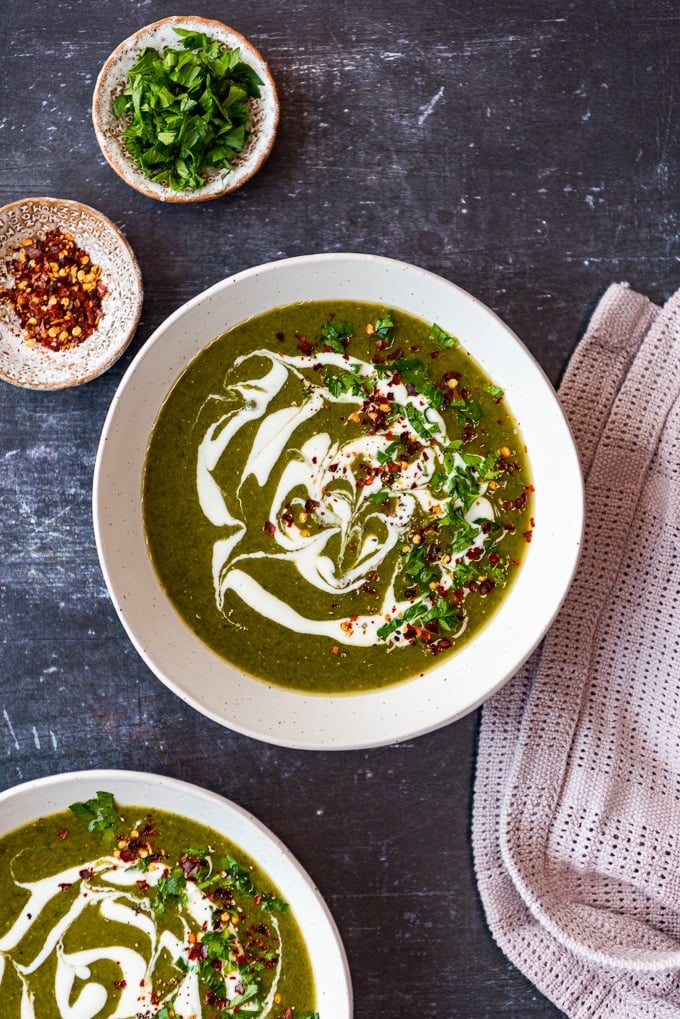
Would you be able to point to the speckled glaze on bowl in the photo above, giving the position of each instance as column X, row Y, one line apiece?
column 109, row 129
column 461, row 681
column 44, row 796
column 38, row 367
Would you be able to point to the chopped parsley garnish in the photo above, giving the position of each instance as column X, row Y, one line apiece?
column 237, row 942
column 383, row 326
column 446, row 554
column 443, row 339
column 98, row 814
column 334, row 336
column 431, row 471
column 188, row 109
column 342, row 382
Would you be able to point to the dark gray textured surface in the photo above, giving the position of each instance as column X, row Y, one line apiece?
column 528, row 152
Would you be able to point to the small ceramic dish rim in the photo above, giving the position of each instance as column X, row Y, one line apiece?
column 44, row 796
column 354, row 720
column 39, row 367
column 109, row 128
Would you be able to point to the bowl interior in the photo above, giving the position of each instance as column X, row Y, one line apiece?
column 41, row 368
column 32, row 800
column 112, row 79
column 463, row 680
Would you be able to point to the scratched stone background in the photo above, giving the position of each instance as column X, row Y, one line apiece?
column 528, row 152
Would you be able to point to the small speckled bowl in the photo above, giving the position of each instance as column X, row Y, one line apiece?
column 109, row 128
column 38, row 367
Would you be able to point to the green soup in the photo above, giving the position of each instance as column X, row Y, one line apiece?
column 156, row 917
column 335, row 496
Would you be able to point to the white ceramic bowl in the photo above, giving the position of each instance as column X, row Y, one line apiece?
column 461, row 681
column 38, row 367
column 32, row 800
column 108, row 128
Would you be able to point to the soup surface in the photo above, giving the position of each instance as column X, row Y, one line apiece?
column 142, row 916
column 335, row 495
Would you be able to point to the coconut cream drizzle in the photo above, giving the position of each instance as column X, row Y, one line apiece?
column 109, row 895
column 328, row 470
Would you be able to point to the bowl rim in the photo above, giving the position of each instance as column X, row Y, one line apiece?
column 351, row 715
column 125, row 167
column 157, row 791
column 123, row 243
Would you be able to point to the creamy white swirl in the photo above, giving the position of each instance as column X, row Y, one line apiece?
column 109, row 890
column 334, row 475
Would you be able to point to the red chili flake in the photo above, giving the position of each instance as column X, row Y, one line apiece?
column 190, row 865
column 63, row 833
column 269, row 527
column 120, row 984
column 211, row 998
column 303, row 344
column 280, row 337
column 64, row 886
column 57, row 292
column 86, row 873
column 198, row 951
column 527, row 535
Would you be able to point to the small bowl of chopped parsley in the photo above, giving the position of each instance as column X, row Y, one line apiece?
column 185, row 110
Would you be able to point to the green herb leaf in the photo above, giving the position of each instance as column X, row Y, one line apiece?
column 243, row 881
column 333, row 334
column 384, row 325
column 443, row 339
column 384, row 456
column 169, row 890
column 98, row 814
column 343, row 383
column 167, row 1011
column 419, row 421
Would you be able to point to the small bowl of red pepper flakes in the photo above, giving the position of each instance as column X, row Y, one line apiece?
column 70, row 293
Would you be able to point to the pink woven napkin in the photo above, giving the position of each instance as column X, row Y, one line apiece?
column 576, row 817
